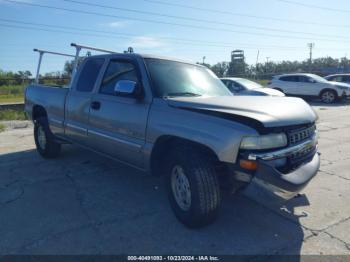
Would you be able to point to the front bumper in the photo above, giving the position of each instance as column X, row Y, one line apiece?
column 346, row 94
column 268, row 182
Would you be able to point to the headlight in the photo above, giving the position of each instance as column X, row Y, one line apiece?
column 264, row 141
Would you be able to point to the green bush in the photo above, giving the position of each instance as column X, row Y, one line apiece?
column 12, row 90
column 10, row 114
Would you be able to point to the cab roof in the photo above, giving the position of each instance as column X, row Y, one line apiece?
column 143, row 56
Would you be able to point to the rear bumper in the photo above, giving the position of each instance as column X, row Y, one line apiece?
column 270, row 182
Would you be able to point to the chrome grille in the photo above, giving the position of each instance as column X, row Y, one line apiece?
column 297, row 136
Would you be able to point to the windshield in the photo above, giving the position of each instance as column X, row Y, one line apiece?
column 248, row 84
column 172, row 78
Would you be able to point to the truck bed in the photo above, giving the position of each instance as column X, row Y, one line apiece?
column 49, row 97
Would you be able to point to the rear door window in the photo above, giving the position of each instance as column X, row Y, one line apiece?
column 89, row 74
column 289, row 78
column 304, row 79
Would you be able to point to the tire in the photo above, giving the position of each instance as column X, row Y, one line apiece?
column 328, row 96
column 44, row 139
column 192, row 172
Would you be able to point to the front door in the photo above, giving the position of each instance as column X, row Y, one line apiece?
column 117, row 125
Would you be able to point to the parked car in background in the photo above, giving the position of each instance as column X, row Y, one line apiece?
column 345, row 78
column 242, row 86
column 310, row 85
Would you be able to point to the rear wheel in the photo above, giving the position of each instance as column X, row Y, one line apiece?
column 44, row 139
column 328, row 96
column 193, row 187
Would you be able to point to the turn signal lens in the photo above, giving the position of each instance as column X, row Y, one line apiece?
column 248, row 164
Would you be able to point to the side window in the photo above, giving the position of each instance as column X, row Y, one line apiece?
column 346, row 79
column 89, row 74
column 236, row 87
column 337, row 79
column 116, row 71
column 289, row 78
column 305, row 79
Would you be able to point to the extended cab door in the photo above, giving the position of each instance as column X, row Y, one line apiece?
column 117, row 124
column 78, row 101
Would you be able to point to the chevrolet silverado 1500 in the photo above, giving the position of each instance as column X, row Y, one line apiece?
column 178, row 120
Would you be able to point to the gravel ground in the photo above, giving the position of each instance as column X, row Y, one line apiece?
column 82, row 203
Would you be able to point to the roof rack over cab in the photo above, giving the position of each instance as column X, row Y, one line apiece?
column 78, row 48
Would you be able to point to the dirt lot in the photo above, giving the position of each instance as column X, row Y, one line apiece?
column 82, row 203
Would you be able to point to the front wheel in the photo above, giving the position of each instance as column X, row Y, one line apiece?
column 44, row 139
column 328, row 96
column 193, row 187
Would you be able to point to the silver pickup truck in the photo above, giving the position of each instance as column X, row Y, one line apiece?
column 178, row 120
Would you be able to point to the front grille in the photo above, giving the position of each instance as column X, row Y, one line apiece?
column 300, row 135
column 296, row 137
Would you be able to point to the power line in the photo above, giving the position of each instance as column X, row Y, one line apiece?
column 164, row 22
column 84, row 34
column 216, row 11
column 124, row 35
column 198, row 42
column 195, row 19
column 315, row 6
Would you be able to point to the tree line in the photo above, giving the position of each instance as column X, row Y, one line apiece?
column 321, row 66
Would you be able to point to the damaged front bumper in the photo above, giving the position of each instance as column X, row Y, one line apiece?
column 269, row 180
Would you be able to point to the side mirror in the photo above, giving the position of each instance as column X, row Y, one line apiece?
column 128, row 88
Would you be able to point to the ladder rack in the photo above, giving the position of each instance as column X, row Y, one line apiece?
column 41, row 54
column 78, row 48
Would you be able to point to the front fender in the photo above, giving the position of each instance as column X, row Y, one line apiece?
column 222, row 136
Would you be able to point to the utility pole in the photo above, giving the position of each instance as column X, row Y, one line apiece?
column 256, row 64
column 311, row 46
column 203, row 60
column 267, row 64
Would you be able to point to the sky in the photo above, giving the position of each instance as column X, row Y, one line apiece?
column 190, row 30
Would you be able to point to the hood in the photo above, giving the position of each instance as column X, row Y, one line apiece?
column 268, row 110
column 266, row 91
column 340, row 84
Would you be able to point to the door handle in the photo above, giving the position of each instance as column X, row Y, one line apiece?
column 95, row 105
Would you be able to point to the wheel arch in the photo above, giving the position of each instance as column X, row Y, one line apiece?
column 168, row 142
column 328, row 89
column 38, row 111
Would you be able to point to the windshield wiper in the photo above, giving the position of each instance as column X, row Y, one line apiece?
column 181, row 94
